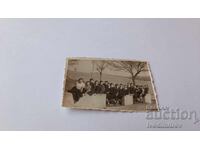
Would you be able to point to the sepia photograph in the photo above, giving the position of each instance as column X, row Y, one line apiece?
column 109, row 84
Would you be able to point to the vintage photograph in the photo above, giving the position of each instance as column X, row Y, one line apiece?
column 109, row 84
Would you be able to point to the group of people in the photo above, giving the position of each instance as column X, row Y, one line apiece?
column 115, row 93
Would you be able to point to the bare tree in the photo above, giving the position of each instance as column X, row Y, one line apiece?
column 100, row 67
column 133, row 68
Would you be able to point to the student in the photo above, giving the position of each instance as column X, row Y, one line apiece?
column 126, row 90
column 129, row 88
column 87, row 89
column 116, row 92
column 140, row 93
column 106, row 85
column 92, row 91
column 137, row 94
column 146, row 90
column 121, row 94
column 77, row 90
column 110, row 94
column 96, row 87
column 101, row 88
column 132, row 88
column 107, row 92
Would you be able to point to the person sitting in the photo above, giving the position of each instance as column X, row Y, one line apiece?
column 137, row 94
column 107, row 92
column 116, row 92
column 97, row 87
column 134, row 93
column 87, row 89
column 126, row 90
column 92, row 85
column 111, row 95
column 106, row 85
column 132, row 88
column 77, row 90
column 121, row 94
column 146, row 90
column 101, row 88
column 140, row 94
column 129, row 88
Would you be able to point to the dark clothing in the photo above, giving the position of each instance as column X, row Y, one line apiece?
column 121, row 93
column 116, row 92
column 126, row 92
column 76, row 93
column 137, row 93
column 146, row 90
column 120, row 96
column 92, row 90
column 132, row 90
column 106, row 88
column 111, row 95
column 101, row 89
column 97, row 89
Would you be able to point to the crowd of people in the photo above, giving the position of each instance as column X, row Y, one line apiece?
column 115, row 93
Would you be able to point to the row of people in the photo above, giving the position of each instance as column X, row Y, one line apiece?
column 115, row 93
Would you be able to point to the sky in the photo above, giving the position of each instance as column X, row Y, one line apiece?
column 86, row 66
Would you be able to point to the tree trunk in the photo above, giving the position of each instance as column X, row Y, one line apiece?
column 133, row 80
column 100, row 75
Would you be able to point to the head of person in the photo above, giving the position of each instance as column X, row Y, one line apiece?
column 101, row 82
column 87, row 83
column 96, row 82
column 111, row 85
column 80, row 80
column 92, row 80
column 131, row 84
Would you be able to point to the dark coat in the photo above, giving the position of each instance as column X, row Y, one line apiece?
column 92, row 90
column 106, row 88
column 132, row 90
column 76, row 93
column 97, row 89
column 111, row 93
column 101, row 89
column 121, row 93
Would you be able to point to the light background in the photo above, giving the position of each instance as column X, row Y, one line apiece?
column 32, row 59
